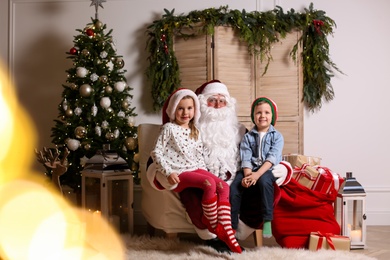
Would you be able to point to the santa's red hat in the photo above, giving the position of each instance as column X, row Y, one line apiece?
column 213, row 87
column 169, row 108
column 273, row 105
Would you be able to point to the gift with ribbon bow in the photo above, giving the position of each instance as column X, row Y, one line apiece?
column 306, row 175
column 300, row 159
column 318, row 178
column 319, row 240
column 328, row 182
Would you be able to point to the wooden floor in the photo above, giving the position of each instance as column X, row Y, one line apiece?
column 378, row 239
column 377, row 246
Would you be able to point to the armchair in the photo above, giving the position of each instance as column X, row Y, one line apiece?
column 163, row 209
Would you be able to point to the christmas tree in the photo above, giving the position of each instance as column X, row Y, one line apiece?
column 96, row 103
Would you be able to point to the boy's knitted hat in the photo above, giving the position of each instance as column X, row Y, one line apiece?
column 273, row 105
column 169, row 108
column 213, row 87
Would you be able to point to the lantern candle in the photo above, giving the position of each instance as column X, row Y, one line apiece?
column 348, row 231
column 356, row 235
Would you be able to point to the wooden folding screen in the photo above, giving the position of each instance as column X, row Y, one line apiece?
column 225, row 57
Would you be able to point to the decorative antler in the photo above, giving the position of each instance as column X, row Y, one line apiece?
column 51, row 160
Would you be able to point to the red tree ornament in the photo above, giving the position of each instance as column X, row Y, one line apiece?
column 73, row 51
column 89, row 32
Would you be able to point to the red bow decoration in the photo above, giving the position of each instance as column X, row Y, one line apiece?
column 317, row 25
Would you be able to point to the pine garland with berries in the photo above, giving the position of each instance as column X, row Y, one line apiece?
column 260, row 30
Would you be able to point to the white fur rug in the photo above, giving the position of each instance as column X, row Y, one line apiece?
column 145, row 247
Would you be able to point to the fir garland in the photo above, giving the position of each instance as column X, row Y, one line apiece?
column 260, row 30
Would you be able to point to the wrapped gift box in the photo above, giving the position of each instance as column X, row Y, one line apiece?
column 320, row 240
column 327, row 180
column 306, row 175
column 299, row 160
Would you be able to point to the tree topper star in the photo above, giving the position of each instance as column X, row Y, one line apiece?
column 97, row 3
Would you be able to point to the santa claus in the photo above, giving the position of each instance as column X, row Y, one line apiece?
column 221, row 134
column 221, row 131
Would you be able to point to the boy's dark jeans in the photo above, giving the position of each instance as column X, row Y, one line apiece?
column 266, row 190
column 236, row 191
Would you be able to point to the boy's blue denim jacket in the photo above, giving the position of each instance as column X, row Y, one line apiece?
column 272, row 148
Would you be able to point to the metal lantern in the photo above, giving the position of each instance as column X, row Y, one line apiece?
column 352, row 216
column 107, row 189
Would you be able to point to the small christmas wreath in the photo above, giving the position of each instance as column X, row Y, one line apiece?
column 260, row 30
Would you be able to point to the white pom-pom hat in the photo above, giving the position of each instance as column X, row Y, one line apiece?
column 169, row 109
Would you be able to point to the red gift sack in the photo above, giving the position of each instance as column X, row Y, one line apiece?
column 301, row 211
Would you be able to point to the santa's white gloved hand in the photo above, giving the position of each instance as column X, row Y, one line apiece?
column 280, row 172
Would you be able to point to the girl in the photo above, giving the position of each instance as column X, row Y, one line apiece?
column 178, row 155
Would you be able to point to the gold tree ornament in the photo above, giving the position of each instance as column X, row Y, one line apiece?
column 131, row 143
column 98, row 25
column 80, row 132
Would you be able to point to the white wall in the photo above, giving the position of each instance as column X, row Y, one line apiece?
column 350, row 133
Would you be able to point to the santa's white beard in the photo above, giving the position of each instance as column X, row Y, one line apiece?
column 220, row 134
